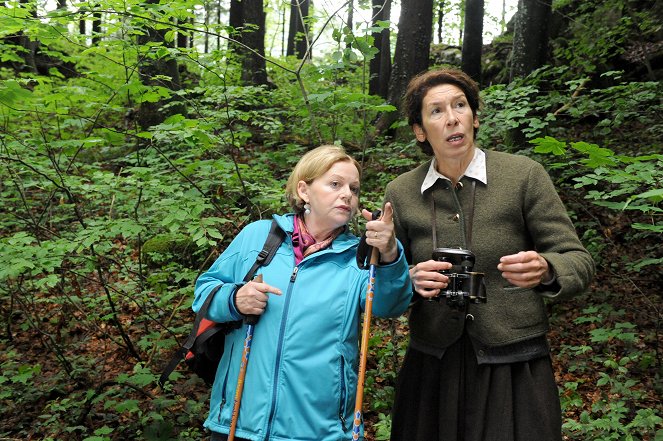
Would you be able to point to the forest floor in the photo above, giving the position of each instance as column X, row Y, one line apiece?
column 572, row 324
column 606, row 347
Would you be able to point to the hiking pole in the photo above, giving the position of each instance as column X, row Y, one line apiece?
column 251, row 321
column 375, row 257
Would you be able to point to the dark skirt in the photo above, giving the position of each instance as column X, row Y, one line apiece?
column 456, row 399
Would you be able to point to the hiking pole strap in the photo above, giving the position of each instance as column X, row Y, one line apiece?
column 365, row 251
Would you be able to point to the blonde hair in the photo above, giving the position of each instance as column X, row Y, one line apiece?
column 311, row 166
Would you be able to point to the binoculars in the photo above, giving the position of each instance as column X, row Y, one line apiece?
column 464, row 285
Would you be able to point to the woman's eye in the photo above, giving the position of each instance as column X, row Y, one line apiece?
column 334, row 184
column 354, row 190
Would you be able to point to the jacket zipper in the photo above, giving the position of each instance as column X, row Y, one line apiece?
column 225, row 383
column 341, row 410
column 279, row 351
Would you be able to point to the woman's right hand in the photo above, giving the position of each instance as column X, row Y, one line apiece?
column 427, row 279
column 251, row 299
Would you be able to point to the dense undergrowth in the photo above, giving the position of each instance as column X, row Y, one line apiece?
column 106, row 226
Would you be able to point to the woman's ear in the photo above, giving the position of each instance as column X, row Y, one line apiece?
column 419, row 132
column 302, row 191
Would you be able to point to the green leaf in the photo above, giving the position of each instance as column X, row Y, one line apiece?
column 655, row 195
column 549, row 145
column 11, row 92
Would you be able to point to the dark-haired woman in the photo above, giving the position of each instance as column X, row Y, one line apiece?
column 477, row 372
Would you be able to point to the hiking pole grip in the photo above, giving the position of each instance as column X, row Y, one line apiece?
column 359, row 398
column 251, row 321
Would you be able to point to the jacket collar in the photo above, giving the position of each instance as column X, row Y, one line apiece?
column 344, row 241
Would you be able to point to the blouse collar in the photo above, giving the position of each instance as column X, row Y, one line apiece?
column 476, row 170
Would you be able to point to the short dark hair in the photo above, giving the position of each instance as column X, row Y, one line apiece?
column 419, row 86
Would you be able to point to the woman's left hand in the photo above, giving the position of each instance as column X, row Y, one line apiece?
column 526, row 269
column 380, row 233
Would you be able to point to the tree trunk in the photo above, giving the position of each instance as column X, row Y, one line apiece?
column 473, row 40
column 412, row 54
column 350, row 21
column 29, row 46
column 440, row 20
column 530, row 48
column 96, row 27
column 218, row 21
column 298, row 33
column 206, row 11
column 152, row 71
column 235, row 21
column 254, row 69
column 380, row 65
column 182, row 37
column 283, row 39
column 530, row 38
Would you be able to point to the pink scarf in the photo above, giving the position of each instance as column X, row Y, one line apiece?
column 304, row 243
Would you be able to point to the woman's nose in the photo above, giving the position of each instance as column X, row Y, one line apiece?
column 347, row 192
column 452, row 119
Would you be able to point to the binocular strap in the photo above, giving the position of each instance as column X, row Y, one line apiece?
column 467, row 229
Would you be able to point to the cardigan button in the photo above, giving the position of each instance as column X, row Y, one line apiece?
column 481, row 353
column 469, row 317
column 456, row 217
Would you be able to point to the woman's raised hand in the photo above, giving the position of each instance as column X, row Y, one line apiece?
column 380, row 233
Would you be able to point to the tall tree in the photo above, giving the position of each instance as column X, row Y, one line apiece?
column 254, row 69
column 503, row 18
column 29, row 46
column 96, row 26
column 183, row 38
column 530, row 37
column 236, row 19
column 298, row 31
column 247, row 20
column 412, row 54
column 161, row 71
column 473, row 40
column 440, row 20
column 380, row 65
column 350, row 20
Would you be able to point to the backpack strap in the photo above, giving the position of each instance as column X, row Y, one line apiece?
column 191, row 339
column 274, row 240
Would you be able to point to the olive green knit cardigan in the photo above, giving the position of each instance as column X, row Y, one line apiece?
column 518, row 210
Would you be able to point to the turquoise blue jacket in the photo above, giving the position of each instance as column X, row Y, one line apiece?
column 302, row 373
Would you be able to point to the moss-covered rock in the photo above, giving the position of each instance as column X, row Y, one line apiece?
column 162, row 249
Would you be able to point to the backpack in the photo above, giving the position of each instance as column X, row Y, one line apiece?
column 203, row 348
